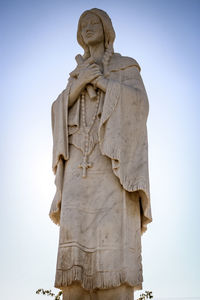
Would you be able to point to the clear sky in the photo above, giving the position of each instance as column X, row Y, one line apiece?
column 38, row 46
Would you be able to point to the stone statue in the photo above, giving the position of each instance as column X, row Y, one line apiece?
column 100, row 159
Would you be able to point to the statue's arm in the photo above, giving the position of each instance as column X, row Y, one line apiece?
column 75, row 90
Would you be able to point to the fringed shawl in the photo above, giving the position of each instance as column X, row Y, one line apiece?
column 122, row 133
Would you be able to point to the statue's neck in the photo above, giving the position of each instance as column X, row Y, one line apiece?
column 97, row 52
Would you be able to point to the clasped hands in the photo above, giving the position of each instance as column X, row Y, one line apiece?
column 88, row 72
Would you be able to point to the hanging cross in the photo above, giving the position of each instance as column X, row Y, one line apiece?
column 85, row 165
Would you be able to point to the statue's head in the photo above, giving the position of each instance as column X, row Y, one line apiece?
column 95, row 26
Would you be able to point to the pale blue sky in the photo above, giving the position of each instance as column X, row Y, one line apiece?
column 38, row 46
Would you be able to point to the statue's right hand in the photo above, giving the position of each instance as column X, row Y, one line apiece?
column 88, row 73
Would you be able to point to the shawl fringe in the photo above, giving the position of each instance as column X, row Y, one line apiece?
column 101, row 280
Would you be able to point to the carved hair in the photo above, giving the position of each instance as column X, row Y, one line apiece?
column 109, row 36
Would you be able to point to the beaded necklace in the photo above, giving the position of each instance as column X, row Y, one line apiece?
column 85, row 164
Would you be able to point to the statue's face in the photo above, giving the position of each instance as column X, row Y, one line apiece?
column 92, row 29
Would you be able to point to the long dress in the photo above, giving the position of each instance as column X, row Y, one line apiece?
column 101, row 216
column 100, row 222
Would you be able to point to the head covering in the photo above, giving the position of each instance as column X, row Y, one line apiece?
column 109, row 32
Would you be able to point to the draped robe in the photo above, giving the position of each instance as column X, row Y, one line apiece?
column 120, row 154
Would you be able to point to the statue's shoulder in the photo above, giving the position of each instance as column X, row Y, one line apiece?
column 118, row 62
column 60, row 101
column 56, row 103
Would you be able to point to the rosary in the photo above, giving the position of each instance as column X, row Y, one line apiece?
column 85, row 164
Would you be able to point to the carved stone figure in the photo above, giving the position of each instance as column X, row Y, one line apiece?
column 100, row 159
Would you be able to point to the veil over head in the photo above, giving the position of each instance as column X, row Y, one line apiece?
column 109, row 32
